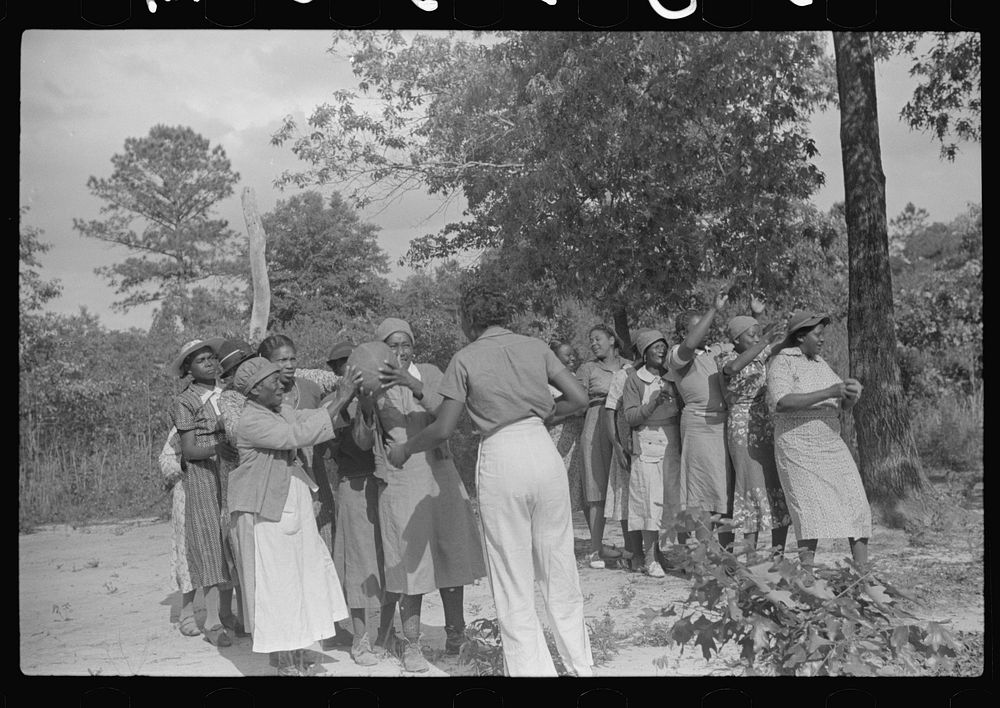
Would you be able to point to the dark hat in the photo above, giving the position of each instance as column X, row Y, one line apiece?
column 340, row 350
column 805, row 318
column 213, row 343
column 232, row 352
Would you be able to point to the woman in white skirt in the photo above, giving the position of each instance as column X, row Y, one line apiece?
column 292, row 594
column 502, row 379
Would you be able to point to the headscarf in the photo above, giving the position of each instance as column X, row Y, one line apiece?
column 390, row 325
column 738, row 325
column 251, row 372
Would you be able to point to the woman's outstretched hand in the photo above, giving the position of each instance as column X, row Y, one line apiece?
column 397, row 455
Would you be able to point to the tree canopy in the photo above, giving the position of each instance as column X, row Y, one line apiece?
column 621, row 166
column 948, row 99
column 169, row 181
column 322, row 258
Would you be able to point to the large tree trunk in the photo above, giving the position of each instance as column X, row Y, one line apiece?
column 621, row 327
column 258, row 268
column 890, row 466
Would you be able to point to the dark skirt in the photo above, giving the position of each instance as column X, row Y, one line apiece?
column 357, row 546
column 206, row 553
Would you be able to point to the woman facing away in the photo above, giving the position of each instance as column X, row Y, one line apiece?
column 291, row 590
column 501, row 379
column 820, row 480
column 596, row 443
column 429, row 536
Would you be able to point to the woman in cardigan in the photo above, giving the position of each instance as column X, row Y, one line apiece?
column 650, row 406
column 292, row 594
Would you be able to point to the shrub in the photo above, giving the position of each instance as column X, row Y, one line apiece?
column 789, row 619
column 949, row 431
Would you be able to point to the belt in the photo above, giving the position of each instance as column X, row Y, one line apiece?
column 598, row 402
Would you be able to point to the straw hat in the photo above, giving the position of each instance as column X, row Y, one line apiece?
column 213, row 343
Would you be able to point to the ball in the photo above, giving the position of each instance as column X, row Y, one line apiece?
column 367, row 357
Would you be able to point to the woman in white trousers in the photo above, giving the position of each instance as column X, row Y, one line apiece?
column 502, row 379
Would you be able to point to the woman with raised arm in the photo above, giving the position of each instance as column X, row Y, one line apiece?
column 758, row 502
column 705, row 468
column 502, row 379
column 820, row 480
column 291, row 590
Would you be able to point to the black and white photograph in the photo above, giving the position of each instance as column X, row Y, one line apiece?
column 442, row 353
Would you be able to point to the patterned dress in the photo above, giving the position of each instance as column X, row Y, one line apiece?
column 204, row 489
column 173, row 473
column 566, row 436
column 820, row 479
column 758, row 501
column 616, row 502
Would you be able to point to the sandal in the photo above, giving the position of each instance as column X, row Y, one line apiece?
column 595, row 561
column 217, row 636
column 189, row 626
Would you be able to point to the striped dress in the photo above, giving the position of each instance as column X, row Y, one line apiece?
column 204, row 489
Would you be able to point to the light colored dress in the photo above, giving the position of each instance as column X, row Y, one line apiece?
column 758, row 501
column 566, row 437
column 818, row 474
column 170, row 466
column 597, row 446
column 616, row 501
column 430, row 539
column 706, row 472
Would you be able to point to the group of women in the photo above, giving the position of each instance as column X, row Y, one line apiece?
column 745, row 430
column 267, row 454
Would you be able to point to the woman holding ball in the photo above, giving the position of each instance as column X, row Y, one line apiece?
column 429, row 535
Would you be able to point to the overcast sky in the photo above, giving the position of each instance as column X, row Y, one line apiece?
column 84, row 92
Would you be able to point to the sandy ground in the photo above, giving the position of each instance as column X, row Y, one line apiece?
column 98, row 600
